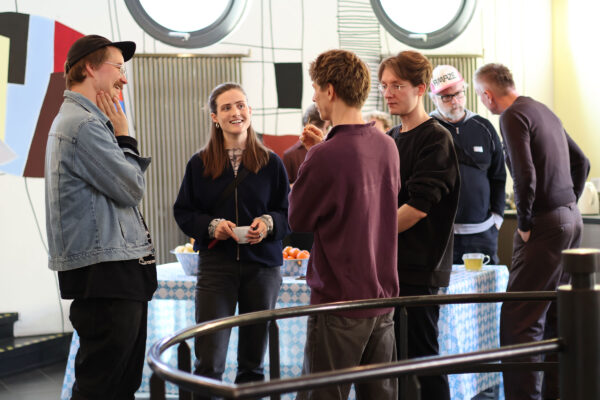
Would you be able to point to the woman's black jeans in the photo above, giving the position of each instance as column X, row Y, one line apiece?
column 222, row 284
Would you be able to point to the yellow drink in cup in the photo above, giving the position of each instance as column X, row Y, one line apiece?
column 474, row 261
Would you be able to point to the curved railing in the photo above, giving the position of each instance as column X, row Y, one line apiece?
column 579, row 366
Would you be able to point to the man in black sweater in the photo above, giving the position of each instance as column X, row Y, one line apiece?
column 482, row 172
column 428, row 200
column 549, row 172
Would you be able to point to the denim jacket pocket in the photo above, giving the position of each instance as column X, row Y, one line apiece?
column 132, row 228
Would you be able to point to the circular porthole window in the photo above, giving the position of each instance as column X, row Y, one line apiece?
column 424, row 24
column 187, row 23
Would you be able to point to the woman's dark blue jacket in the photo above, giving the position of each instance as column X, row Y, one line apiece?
column 263, row 193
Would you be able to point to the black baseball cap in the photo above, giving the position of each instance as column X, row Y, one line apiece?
column 90, row 43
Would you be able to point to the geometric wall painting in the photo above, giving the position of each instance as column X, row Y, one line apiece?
column 288, row 79
column 64, row 37
column 6, row 154
column 34, row 87
column 52, row 102
column 14, row 26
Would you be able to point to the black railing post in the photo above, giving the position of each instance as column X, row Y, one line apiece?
column 157, row 388
column 184, row 363
column 579, row 327
column 402, row 350
column 274, row 368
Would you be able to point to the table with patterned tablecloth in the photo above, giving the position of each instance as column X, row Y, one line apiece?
column 463, row 327
column 471, row 327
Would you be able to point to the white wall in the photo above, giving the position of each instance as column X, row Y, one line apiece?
column 577, row 86
column 514, row 32
column 26, row 283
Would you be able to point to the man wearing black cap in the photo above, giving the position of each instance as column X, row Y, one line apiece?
column 97, row 238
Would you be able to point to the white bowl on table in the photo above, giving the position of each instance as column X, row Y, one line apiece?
column 189, row 262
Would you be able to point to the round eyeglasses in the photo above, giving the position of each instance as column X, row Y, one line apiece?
column 394, row 87
column 121, row 67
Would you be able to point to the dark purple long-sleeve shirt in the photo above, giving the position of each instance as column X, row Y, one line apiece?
column 548, row 168
column 347, row 194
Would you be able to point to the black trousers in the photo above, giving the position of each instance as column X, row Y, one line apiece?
column 223, row 283
column 485, row 242
column 536, row 265
column 422, row 341
column 112, row 346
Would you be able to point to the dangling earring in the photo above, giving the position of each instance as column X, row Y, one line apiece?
column 217, row 125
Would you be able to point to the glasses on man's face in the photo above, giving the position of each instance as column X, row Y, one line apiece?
column 447, row 98
column 394, row 87
column 121, row 67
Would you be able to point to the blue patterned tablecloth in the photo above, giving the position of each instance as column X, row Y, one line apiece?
column 463, row 327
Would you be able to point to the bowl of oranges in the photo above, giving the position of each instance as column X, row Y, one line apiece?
column 295, row 261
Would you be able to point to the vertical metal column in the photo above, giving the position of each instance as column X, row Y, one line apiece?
column 274, row 367
column 184, row 363
column 579, row 327
column 157, row 388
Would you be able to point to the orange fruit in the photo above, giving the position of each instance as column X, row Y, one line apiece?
column 294, row 252
column 303, row 255
column 286, row 250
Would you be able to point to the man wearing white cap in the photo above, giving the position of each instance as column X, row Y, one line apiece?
column 481, row 201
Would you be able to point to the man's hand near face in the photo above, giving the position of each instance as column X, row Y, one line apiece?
column 311, row 135
column 114, row 112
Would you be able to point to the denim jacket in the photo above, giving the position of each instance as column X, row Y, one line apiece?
column 93, row 188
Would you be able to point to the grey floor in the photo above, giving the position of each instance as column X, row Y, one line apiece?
column 39, row 384
column 46, row 384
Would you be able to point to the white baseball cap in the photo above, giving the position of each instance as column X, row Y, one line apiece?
column 443, row 77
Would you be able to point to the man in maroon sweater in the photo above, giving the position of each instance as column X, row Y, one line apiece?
column 549, row 172
column 346, row 193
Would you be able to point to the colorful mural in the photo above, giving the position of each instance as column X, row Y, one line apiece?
column 33, row 51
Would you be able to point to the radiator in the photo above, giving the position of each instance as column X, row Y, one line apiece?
column 171, row 120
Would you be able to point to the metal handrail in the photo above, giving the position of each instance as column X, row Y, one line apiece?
column 422, row 366
column 429, row 364
column 301, row 311
column 578, row 324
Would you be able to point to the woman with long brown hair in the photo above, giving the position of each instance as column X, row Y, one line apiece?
column 234, row 181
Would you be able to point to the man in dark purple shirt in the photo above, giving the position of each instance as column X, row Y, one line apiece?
column 549, row 172
column 347, row 194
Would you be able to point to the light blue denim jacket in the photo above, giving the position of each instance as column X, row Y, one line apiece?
column 93, row 188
